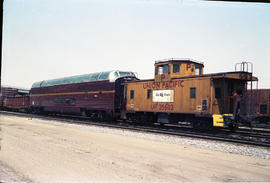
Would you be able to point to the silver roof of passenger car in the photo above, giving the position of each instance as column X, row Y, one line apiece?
column 98, row 76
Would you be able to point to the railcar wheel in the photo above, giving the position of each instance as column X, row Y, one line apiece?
column 202, row 123
column 83, row 112
column 233, row 127
column 161, row 124
column 196, row 124
column 150, row 120
column 105, row 117
column 99, row 116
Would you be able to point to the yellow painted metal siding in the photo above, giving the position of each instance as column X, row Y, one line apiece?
column 182, row 103
column 218, row 120
column 186, row 69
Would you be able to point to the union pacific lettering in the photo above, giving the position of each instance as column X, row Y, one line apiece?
column 163, row 84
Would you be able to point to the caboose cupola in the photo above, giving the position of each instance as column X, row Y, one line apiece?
column 167, row 69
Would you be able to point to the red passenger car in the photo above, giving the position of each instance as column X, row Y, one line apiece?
column 98, row 95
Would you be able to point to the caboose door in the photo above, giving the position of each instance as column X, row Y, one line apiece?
column 223, row 100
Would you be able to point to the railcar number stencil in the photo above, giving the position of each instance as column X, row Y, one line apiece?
column 163, row 96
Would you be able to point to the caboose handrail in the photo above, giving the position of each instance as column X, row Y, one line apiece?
column 244, row 66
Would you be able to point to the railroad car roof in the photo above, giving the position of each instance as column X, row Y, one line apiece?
column 10, row 91
column 214, row 75
column 98, row 76
column 179, row 60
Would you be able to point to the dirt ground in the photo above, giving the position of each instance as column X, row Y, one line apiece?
column 42, row 152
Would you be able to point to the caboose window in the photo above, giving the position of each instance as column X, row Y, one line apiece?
column 163, row 69
column 149, row 93
column 131, row 94
column 198, row 70
column 204, row 105
column 176, row 68
column 192, row 92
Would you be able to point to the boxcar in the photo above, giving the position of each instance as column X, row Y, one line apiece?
column 98, row 95
column 7, row 93
column 18, row 103
column 261, row 99
column 181, row 91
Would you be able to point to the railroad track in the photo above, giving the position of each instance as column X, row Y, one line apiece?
column 258, row 138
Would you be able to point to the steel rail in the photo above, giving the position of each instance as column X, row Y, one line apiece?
column 219, row 136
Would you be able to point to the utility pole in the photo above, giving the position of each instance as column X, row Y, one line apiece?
column 1, row 39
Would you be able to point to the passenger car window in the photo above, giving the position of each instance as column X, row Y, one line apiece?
column 86, row 95
column 116, row 75
column 94, row 77
column 73, row 101
column 124, row 74
column 104, row 76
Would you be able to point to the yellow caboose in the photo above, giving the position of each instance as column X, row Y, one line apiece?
column 180, row 91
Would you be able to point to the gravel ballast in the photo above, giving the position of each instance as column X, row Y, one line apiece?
column 45, row 149
column 259, row 152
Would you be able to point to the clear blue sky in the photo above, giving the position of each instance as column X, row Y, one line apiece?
column 46, row 39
